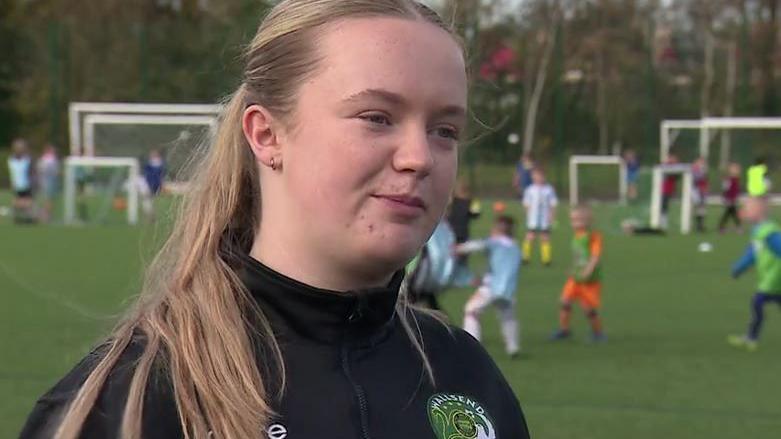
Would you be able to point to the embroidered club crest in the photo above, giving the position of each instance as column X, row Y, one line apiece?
column 454, row 416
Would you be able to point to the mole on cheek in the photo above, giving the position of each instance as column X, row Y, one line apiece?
column 371, row 228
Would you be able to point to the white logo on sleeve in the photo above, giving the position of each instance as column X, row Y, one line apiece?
column 277, row 431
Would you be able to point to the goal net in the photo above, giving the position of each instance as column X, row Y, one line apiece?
column 720, row 141
column 133, row 130
column 608, row 182
column 102, row 190
column 602, row 182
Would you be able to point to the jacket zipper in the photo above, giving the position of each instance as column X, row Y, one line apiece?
column 357, row 389
column 363, row 406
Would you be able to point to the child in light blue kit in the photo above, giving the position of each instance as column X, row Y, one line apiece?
column 499, row 283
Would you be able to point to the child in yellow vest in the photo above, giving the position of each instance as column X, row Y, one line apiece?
column 757, row 179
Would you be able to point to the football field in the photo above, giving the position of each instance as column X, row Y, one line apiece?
column 665, row 372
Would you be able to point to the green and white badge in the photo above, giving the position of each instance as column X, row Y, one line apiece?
column 455, row 416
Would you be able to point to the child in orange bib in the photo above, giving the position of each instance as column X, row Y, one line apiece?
column 585, row 282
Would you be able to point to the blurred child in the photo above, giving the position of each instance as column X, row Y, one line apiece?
column 154, row 171
column 633, row 227
column 764, row 252
column 48, row 169
column 499, row 283
column 153, row 177
column 632, row 173
column 731, row 191
column 432, row 270
column 700, row 175
column 758, row 181
column 523, row 173
column 463, row 210
column 20, row 168
column 585, row 281
column 540, row 203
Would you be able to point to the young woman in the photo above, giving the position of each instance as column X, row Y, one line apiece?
column 274, row 308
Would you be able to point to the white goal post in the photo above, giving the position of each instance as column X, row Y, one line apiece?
column 668, row 132
column 71, row 163
column 708, row 127
column 661, row 171
column 92, row 120
column 77, row 111
column 576, row 160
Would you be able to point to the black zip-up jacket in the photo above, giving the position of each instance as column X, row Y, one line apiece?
column 351, row 373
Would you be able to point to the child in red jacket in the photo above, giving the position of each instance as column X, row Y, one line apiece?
column 730, row 194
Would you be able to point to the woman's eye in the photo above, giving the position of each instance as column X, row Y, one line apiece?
column 446, row 132
column 376, row 118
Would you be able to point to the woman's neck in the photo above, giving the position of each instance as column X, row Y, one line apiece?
column 286, row 258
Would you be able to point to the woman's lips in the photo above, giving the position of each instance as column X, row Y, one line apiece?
column 407, row 205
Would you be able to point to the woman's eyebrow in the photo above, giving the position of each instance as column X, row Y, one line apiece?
column 451, row 111
column 398, row 100
column 378, row 93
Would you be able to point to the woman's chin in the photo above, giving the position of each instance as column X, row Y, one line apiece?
column 392, row 255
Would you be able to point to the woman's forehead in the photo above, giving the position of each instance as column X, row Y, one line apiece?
column 402, row 56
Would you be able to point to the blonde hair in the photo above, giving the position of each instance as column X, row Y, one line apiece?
column 584, row 211
column 194, row 313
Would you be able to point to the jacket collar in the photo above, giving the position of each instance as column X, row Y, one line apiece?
column 297, row 309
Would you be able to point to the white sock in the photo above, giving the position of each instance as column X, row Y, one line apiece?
column 510, row 330
column 148, row 206
column 472, row 325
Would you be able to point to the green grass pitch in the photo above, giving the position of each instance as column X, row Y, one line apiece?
column 666, row 370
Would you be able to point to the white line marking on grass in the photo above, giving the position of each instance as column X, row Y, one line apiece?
column 59, row 299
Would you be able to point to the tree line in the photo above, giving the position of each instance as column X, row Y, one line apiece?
column 550, row 77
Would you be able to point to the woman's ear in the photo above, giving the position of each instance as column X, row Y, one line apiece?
column 260, row 131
